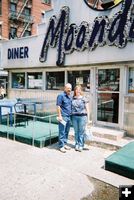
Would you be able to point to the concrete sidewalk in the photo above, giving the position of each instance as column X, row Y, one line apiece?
column 31, row 173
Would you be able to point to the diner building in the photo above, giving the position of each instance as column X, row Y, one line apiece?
column 80, row 44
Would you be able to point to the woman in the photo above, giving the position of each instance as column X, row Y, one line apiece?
column 80, row 116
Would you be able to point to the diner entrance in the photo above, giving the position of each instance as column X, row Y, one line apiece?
column 107, row 95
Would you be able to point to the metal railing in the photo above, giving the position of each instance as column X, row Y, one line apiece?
column 11, row 127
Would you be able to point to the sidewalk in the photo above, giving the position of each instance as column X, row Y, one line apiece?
column 32, row 173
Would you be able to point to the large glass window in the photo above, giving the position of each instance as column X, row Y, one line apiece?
column 55, row 80
column 131, row 80
column 18, row 80
column 34, row 80
column 79, row 78
column 108, row 79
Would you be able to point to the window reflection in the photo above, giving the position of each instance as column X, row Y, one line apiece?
column 80, row 78
column 108, row 107
column 108, row 79
column 55, row 80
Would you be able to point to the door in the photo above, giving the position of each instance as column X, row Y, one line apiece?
column 108, row 95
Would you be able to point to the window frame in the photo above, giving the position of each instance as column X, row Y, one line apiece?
column 51, row 83
column 18, row 82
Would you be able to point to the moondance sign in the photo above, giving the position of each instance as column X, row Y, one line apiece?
column 116, row 31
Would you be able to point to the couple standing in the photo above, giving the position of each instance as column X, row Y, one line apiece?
column 75, row 107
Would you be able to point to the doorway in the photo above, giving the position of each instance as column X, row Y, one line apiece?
column 108, row 94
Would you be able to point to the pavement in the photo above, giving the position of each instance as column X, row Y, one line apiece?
column 30, row 173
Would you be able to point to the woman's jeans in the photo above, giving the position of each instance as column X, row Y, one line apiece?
column 64, row 131
column 79, row 124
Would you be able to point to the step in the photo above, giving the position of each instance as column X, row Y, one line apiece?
column 108, row 133
column 109, row 144
column 104, row 142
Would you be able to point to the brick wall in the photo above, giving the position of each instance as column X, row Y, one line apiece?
column 36, row 11
column 4, row 19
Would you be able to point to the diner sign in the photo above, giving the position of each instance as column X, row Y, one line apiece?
column 116, row 31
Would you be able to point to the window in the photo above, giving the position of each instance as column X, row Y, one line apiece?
column 0, row 7
column 55, row 80
column 27, row 11
column 18, row 80
column 46, row 1
column 13, row 7
column 79, row 78
column 34, row 80
column 13, row 33
column 27, row 33
column 108, row 79
column 131, row 80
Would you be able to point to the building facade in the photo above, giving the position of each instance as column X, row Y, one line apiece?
column 19, row 18
column 80, row 45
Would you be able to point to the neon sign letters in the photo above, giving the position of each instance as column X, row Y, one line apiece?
column 116, row 31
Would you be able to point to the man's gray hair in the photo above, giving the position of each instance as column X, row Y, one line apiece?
column 68, row 85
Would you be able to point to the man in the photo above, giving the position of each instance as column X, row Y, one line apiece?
column 64, row 101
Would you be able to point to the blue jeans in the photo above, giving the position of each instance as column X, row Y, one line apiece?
column 64, row 131
column 79, row 124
